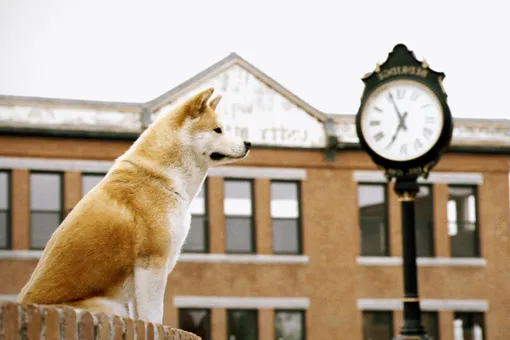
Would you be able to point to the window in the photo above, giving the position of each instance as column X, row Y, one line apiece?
column 377, row 325
column 238, row 209
column 242, row 324
column 289, row 325
column 197, row 239
column 45, row 207
column 285, row 213
column 88, row 181
column 424, row 222
column 373, row 219
column 5, row 191
column 462, row 221
column 468, row 326
column 196, row 321
column 430, row 323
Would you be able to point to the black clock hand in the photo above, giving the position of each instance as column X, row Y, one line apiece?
column 401, row 125
column 400, row 118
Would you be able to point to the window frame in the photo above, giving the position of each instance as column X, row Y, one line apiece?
column 299, row 219
column 207, row 246
column 60, row 174
column 391, row 324
column 253, row 243
column 303, row 319
column 386, row 218
column 8, row 211
column 477, row 251
column 208, row 317
column 432, row 240
column 252, row 310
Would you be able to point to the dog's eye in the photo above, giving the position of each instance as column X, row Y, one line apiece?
column 217, row 130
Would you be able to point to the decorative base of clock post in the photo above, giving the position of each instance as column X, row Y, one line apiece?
column 406, row 189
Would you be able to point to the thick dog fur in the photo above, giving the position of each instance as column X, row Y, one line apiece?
column 115, row 249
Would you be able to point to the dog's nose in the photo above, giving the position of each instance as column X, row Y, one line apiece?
column 247, row 145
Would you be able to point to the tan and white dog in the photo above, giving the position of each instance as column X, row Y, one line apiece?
column 115, row 249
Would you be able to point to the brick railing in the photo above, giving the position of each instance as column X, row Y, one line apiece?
column 31, row 322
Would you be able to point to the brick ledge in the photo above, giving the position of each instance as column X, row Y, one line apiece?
column 28, row 321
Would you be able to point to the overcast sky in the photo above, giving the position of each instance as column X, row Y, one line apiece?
column 135, row 50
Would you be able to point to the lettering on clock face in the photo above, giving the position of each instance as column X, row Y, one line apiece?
column 402, row 120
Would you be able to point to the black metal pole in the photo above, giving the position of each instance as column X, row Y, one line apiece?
column 406, row 190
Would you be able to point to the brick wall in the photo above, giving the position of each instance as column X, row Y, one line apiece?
column 33, row 322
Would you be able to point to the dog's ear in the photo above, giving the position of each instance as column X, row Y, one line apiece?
column 214, row 103
column 198, row 103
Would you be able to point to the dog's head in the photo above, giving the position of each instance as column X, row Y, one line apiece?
column 203, row 133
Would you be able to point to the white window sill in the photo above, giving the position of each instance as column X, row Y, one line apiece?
column 468, row 305
column 423, row 261
column 185, row 257
column 242, row 258
column 300, row 303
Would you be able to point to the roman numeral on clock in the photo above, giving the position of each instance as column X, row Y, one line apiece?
column 379, row 136
column 430, row 120
column 414, row 96
column 375, row 122
column 403, row 149
column 401, row 93
column 427, row 132
column 417, row 144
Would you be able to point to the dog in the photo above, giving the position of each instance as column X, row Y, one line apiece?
column 115, row 249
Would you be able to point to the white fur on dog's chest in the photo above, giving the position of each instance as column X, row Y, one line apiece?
column 179, row 223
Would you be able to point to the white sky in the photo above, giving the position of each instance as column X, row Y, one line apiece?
column 135, row 50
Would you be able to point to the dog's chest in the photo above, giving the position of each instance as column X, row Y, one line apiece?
column 179, row 223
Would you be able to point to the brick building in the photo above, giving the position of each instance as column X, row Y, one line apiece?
column 301, row 239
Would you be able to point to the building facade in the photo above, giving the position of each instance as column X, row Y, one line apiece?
column 301, row 240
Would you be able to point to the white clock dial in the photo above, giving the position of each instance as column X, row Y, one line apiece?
column 402, row 120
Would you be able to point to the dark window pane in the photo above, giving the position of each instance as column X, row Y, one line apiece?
column 242, row 325
column 196, row 321
column 285, row 236
column 4, row 191
column 430, row 323
column 372, row 213
column 424, row 222
column 4, row 242
column 90, row 181
column 377, row 325
column 45, row 192
column 470, row 325
column 462, row 223
column 289, row 325
column 238, row 234
column 195, row 241
column 42, row 226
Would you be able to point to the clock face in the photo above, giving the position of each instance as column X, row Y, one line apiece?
column 402, row 120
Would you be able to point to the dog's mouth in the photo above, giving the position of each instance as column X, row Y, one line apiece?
column 216, row 156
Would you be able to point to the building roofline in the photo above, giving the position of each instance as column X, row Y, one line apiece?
column 223, row 64
column 13, row 100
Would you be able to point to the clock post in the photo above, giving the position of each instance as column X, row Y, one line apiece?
column 405, row 125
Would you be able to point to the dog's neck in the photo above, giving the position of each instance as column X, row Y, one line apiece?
column 189, row 172
column 181, row 167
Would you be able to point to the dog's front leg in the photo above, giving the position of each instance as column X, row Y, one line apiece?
column 150, row 283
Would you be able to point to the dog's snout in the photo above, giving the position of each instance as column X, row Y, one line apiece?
column 247, row 145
